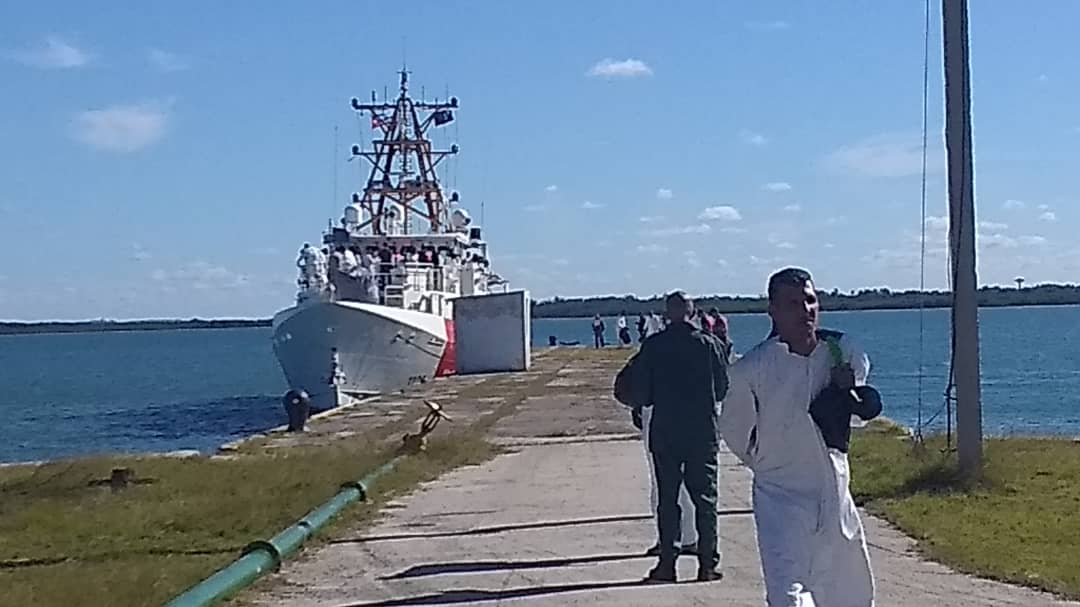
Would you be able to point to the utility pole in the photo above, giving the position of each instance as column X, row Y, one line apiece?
column 965, row 318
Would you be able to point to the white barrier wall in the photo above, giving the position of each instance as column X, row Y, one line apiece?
column 493, row 332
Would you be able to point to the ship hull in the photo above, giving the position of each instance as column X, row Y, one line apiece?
column 341, row 351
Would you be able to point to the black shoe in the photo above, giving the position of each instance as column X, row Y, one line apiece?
column 690, row 549
column 661, row 574
column 710, row 575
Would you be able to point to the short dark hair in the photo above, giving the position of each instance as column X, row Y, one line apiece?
column 788, row 277
column 677, row 304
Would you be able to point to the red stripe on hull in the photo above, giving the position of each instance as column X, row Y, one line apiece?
column 448, row 360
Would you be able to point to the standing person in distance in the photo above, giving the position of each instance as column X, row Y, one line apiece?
column 598, row 331
column 682, row 374
column 787, row 416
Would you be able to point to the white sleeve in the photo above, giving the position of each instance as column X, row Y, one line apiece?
column 860, row 364
column 855, row 356
column 738, row 413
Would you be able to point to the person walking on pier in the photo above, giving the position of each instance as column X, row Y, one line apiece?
column 787, row 416
column 681, row 373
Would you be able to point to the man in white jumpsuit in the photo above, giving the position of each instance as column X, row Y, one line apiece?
column 813, row 549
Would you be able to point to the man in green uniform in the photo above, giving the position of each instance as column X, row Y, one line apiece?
column 682, row 373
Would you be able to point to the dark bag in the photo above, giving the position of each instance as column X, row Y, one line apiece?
column 627, row 389
column 832, row 409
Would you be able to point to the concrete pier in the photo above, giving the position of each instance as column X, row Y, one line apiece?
column 562, row 517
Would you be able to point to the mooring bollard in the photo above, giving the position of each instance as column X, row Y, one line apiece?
column 298, row 408
column 119, row 479
column 552, row 341
column 417, row 443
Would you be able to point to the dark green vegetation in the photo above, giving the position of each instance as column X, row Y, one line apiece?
column 866, row 299
column 1018, row 522
column 149, row 542
column 559, row 307
column 95, row 326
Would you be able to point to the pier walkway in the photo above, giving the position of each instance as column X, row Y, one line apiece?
column 562, row 517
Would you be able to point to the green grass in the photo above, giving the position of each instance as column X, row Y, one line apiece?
column 1019, row 521
column 63, row 542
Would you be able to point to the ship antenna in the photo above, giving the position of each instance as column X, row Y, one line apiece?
column 335, row 156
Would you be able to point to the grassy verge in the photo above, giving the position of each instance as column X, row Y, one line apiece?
column 1018, row 522
column 63, row 542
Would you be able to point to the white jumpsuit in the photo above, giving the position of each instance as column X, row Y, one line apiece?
column 813, row 549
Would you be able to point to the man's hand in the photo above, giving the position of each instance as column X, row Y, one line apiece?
column 843, row 377
column 635, row 416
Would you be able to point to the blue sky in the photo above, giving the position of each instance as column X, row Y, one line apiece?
column 169, row 160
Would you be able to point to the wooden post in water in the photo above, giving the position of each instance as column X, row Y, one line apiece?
column 965, row 316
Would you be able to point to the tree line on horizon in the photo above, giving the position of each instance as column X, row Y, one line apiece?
column 861, row 299
column 612, row 305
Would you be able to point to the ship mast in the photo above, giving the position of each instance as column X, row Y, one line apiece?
column 403, row 180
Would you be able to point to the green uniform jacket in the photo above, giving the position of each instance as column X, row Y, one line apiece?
column 682, row 373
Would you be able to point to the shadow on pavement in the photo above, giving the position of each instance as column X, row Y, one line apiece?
column 495, row 529
column 480, row 566
column 452, row 597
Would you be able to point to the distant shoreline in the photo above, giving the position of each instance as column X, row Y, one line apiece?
column 832, row 301
column 117, row 326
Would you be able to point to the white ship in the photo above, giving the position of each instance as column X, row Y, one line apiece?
column 374, row 311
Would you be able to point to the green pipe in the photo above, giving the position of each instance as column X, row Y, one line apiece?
column 261, row 557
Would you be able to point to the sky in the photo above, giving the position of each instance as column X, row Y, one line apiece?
column 169, row 159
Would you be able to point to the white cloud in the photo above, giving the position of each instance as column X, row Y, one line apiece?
column 55, row 53
column 122, row 128
column 664, row 194
column 201, row 275
column 995, row 241
column 552, row 188
column 1043, row 78
column 732, row 230
column 692, row 259
column 720, row 213
column 767, row 26
column 793, row 208
column 650, row 219
column 991, row 226
column 937, row 223
column 1032, row 241
column 1048, row 216
column 588, row 204
column 627, row 68
column 651, row 248
column 1043, row 207
column 885, row 156
column 777, row 186
column 1014, row 204
column 753, row 138
column 166, row 61
column 784, row 245
column 700, row 228
column 139, row 253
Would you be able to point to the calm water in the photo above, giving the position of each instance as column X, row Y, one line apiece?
column 155, row 391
